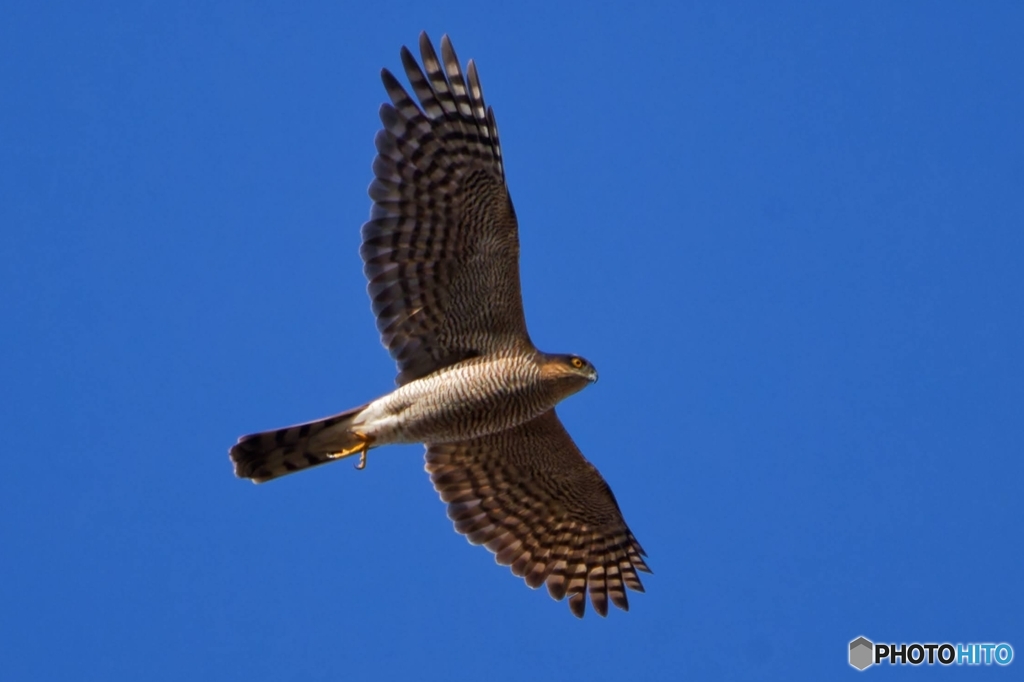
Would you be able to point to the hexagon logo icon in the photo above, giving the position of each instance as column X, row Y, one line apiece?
column 862, row 653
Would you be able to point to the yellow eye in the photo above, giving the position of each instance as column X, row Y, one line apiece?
column 577, row 363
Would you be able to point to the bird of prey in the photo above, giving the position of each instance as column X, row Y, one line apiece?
column 441, row 253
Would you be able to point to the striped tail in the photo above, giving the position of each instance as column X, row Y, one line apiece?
column 268, row 455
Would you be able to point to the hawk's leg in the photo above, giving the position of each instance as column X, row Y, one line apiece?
column 361, row 447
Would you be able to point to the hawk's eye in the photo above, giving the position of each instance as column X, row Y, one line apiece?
column 577, row 363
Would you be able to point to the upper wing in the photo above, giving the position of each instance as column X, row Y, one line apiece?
column 531, row 497
column 441, row 248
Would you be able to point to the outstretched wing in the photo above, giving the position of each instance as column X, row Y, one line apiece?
column 441, row 248
column 530, row 496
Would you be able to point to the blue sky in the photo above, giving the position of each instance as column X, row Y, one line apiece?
column 790, row 239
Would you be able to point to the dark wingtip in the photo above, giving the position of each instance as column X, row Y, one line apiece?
column 578, row 604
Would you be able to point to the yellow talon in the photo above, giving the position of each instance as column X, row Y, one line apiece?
column 362, row 448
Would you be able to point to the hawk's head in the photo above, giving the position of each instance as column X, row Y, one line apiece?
column 567, row 374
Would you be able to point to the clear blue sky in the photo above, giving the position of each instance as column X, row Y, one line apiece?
column 791, row 240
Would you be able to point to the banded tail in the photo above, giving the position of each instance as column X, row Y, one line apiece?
column 271, row 454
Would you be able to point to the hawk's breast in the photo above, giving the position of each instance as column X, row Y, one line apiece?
column 472, row 398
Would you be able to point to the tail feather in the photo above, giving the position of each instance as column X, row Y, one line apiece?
column 270, row 454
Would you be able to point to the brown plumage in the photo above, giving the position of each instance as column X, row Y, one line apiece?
column 530, row 497
column 265, row 456
column 441, row 253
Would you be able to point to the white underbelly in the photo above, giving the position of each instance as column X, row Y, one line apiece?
column 457, row 403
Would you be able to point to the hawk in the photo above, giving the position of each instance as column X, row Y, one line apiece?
column 441, row 253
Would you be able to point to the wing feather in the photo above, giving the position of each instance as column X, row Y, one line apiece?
column 530, row 496
column 441, row 248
